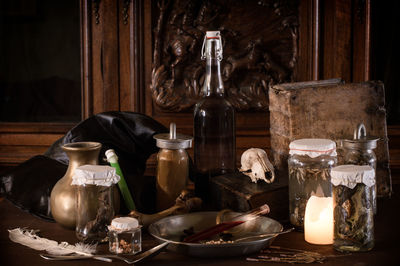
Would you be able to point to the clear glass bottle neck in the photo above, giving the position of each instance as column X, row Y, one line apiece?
column 213, row 84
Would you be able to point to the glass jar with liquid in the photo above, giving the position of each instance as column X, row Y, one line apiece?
column 353, row 207
column 360, row 151
column 94, row 202
column 310, row 162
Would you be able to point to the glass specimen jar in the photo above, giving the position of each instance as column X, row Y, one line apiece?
column 172, row 166
column 353, row 207
column 125, row 236
column 310, row 161
column 95, row 209
column 360, row 151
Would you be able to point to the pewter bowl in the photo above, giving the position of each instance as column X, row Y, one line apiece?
column 171, row 229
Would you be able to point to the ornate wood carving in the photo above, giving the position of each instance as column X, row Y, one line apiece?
column 260, row 41
column 360, row 10
column 125, row 11
column 96, row 8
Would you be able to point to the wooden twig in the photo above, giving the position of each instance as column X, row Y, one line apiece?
column 288, row 255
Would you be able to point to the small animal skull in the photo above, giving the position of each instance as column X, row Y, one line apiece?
column 256, row 165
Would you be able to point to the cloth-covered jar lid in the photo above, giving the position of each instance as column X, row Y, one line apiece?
column 99, row 175
column 312, row 147
column 350, row 175
column 123, row 224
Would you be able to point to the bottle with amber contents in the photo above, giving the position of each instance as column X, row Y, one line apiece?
column 214, row 121
column 172, row 166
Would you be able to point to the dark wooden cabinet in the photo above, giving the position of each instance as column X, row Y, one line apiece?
column 144, row 56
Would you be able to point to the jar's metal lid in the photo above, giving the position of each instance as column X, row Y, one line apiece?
column 313, row 147
column 360, row 140
column 124, row 224
column 99, row 175
column 172, row 140
column 350, row 175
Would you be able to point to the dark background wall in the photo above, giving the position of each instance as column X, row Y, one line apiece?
column 386, row 54
column 40, row 61
column 62, row 61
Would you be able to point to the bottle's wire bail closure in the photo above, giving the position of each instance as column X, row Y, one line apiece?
column 216, row 37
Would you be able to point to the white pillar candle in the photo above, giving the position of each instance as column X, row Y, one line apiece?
column 318, row 220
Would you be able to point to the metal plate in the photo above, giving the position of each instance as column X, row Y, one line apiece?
column 171, row 229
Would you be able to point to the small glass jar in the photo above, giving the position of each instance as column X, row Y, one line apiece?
column 360, row 151
column 353, row 207
column 310, row 161
column 125, row 236
column 172, row 166
column 94, row 202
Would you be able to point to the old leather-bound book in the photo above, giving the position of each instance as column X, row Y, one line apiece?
column 328, row 109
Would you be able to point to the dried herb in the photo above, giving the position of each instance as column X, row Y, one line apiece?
column 93, row 226
column 226, row 236
column 124, row 247
column 353, row 215
column 362, row 157
column 187, row 232
column 303, row 183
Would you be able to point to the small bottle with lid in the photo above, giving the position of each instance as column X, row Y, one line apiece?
column 125, row 236
column 95, row 201
column 172, row 166
column 360, row 151
column 310, row 161
column 353, row 207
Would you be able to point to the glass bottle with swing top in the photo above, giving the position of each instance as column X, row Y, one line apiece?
column 214, row 121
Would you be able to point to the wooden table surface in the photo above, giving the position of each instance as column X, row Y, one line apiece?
column 386, row 251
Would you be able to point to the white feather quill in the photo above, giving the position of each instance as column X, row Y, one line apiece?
column 30, row 239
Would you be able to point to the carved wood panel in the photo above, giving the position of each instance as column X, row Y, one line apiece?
column 260, row 42
column 118, row 50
